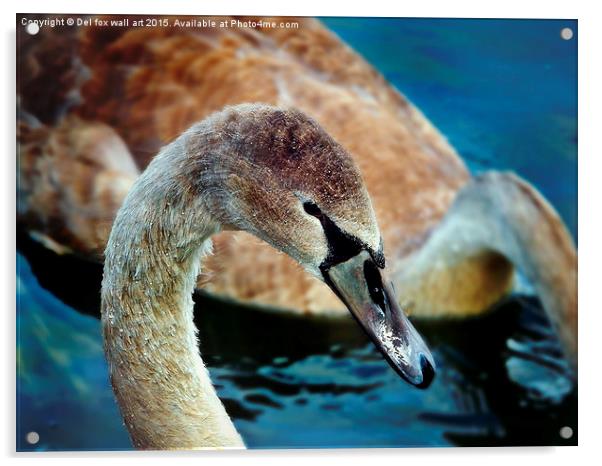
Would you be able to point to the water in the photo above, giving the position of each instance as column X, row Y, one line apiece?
column 504, row 93
column 293, row 382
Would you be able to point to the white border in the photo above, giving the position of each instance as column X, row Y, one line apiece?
column 457, row 8
column 590, row 198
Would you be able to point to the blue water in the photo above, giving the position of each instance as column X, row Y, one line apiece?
column 504, row 93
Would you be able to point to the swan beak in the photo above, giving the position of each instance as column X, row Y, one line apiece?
column 366, row 292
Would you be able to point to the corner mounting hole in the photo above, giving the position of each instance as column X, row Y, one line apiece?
column 566, row 432
column 566, row 33
column 32, row 438
column 32, row 28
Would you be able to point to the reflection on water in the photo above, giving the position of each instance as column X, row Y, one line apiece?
column 295, row 382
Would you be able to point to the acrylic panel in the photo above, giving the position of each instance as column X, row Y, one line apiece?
column 392, row 204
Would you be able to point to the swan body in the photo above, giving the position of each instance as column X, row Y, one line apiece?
column 453, row 241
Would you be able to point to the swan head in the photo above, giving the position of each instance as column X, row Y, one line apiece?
column 289, row 183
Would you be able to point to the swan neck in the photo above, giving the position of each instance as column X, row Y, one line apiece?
column 498, row 221
column 152, row 261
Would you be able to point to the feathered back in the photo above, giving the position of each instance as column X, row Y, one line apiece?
column 150, row 84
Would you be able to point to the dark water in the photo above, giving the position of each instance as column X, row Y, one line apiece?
column 504, row 94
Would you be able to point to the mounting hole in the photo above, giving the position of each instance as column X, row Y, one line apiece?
column 566, row 33
column 566, row 432
column 32, row 28
column 32, row 438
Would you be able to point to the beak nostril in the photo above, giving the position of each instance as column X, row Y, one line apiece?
column 375, row 285
column 428, row 372
column 371, row 300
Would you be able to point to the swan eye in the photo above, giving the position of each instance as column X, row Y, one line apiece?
column 341, row 245
column 312, row 209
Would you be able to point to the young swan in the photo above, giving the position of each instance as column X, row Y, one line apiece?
column 276, row 174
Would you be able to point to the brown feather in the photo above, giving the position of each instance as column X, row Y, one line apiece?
column 150, row 84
